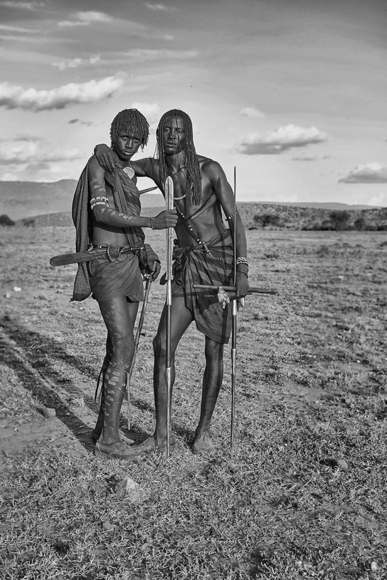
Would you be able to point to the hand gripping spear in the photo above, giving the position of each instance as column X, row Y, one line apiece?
column 169, row 205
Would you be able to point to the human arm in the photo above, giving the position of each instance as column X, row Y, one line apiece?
column 153, row 263
column 108, row 159
column 224, row 193
column 99, row 204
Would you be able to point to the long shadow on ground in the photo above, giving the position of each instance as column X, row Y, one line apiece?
column 39, row 352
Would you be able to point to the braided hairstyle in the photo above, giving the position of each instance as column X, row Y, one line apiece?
column 194, row 188
column 132, row 121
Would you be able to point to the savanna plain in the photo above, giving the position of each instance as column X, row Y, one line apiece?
column 304, row 493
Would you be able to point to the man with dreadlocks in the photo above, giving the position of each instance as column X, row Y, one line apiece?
column 106, row 213
column 204, row 255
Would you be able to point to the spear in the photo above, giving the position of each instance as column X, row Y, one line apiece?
column 169, row 201
column 234, row 326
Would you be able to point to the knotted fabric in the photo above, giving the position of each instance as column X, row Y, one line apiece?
column 126, row 200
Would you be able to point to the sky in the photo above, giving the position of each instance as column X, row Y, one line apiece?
column 290, row 92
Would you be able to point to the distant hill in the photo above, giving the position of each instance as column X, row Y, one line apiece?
column 324, row 205
column 33, row 203
column 265, row 216
column 294, row 217
column 63, row 219
column 23, row 199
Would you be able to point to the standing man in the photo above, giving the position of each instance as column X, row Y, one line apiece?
column 106, row 214
column 204, row 255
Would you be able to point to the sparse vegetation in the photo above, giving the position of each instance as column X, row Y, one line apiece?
column 290, row 217
column 304, row 494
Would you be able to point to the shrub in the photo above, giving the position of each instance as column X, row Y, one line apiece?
column 340, row 219
column 360, row 224
column 267, row 219
column 6, row 220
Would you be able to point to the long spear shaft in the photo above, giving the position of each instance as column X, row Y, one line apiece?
column 234, row 327
column 169, row 200
column 137, row 341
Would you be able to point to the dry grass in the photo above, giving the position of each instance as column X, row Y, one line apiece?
column 304, row 495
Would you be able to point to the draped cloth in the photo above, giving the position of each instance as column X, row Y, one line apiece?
column 209, row 265
column 126, row 200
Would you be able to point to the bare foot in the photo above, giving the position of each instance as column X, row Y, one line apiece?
column 117, row 450
column 149, row 445
column 202, row 444
column 96, row 434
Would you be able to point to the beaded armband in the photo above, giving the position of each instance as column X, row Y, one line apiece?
column 99, row 201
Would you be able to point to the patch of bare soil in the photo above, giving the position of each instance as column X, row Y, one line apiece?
column 303, row 495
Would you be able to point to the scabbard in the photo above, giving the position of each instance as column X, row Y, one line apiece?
column 111, row 252
column 76, row 258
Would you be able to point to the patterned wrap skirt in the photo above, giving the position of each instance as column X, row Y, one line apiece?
column 209, row 265
column 121, row 277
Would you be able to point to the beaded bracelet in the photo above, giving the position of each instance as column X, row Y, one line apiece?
column 242, row 260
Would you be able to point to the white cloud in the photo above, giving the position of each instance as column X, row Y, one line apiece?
column 303, row 158
column 84, row 19
column 158, row 6
column 141, row 54
column 80, row 122
column 26, row 149
column 9, row 177
column 280, row 140
column 14, row 97
column 63, row 65
column 75, row 62
column 367, row 173
column 8, row 28
column 380, row 200
column 23, row 5
column 251, row 113
column 151, row 112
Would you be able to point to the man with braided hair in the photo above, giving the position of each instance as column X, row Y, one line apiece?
column 106, row 213
column 204, row 256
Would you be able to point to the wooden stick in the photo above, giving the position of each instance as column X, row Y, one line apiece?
column 169, row 205
column 147, row 189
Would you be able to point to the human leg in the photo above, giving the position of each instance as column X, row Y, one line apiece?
column 101, row 377
column 181, row 318
column 119, row 318
column 132, row 309
column 212, row 381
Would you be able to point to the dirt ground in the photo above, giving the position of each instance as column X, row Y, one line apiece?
column 51, row 348
column 315, row 350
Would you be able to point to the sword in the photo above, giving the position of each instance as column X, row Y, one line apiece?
column 169, row 205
